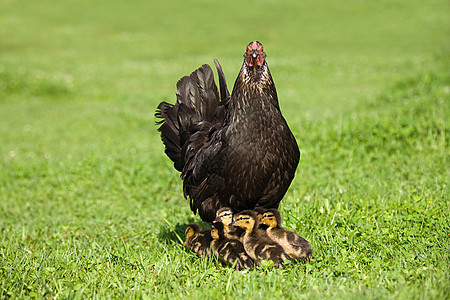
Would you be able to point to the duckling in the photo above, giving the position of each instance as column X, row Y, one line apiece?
column 197, row 240
column 225, row 216
column 229, row 251
column 256, row 242
column 294, row 245
column 259, row 213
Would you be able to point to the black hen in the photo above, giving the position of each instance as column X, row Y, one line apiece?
column 234, row 151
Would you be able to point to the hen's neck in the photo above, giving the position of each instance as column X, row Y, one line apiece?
column 253, row 86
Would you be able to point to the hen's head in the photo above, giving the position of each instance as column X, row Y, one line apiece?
column 254, row 54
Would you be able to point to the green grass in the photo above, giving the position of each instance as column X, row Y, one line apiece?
column 91, row 207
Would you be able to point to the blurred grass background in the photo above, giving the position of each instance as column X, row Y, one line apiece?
column 90, row 205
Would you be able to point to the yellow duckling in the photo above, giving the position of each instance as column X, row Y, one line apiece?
column 225, row 216
column 197, row 240
column 256, row 242
column 294, row 245
column 230, row 251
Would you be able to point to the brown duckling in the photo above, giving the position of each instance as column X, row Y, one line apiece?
column 294, row 245
column 229, row 251
column 259, row 213
column 197, row 240
column 225, row 216
column 256, row 242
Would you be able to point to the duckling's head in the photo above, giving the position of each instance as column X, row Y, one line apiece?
column 224, row 215
column 246, row 219
column 217, row 230
column 271, row 218
column 259, row 212
column 191, row 230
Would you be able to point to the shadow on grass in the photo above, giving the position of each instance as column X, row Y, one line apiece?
column 175, row 234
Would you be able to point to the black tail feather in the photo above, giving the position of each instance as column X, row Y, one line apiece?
column 170, row 132
column 197, row 104
column 224, row 94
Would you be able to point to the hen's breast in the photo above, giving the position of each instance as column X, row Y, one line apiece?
column 261, row 152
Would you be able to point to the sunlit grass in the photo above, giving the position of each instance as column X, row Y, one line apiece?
column 90, row 205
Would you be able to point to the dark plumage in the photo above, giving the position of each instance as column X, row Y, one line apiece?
column 294, row 245
column 198, row 240
column 234, row 151
column 230, row 251
column 256, row 242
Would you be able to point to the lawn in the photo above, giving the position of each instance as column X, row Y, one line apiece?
column 91, row 207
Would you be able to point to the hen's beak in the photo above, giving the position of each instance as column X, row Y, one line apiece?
column 254, row 57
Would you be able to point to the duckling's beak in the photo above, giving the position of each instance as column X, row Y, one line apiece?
column 218, row 219
column 233, row 223
column 185, row 242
